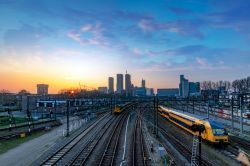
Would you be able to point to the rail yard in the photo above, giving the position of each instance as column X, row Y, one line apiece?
column 145, row 133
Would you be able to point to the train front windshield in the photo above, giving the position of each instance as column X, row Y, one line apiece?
column 217, row 128
column 219, row 131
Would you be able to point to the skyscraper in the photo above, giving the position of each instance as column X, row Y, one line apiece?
column 143, row 83
column 119, row 83
column 128, row 84
column 42, row 89
column 183, row 86
column 111, row 85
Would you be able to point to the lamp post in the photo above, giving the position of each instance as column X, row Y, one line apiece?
column 157, row 103
column 55, row 109
column 68, row 106
column 10, row 119
column 28, row 113
column 154, row 115
column 67, row 118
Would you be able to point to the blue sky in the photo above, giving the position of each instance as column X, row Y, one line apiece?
column 66, row 42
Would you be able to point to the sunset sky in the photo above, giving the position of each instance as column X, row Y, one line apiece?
column 62, row 43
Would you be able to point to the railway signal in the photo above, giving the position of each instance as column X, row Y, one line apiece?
column 198, row 128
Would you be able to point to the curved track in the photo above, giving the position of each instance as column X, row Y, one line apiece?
column 184, row 149
column 111, row 148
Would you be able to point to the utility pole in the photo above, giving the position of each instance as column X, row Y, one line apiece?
column 200, row 146
column 241, row 110
column 157, row 103
column 197, row 128
column 111, row 108
column 193, row 105
column 154, row 116
column 208, row 108
column 67, row 118
column 10, row 119
column 55, row 106
column 28, row 113
column 232, row 113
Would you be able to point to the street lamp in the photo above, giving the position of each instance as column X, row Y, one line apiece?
column 72, row 92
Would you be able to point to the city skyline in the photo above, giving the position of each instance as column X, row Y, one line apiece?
column 63, row 44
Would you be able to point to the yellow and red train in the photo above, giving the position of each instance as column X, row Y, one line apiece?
column 214, row 132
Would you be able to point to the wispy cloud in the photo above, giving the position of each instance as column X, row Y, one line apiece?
column 182, row 27
column 26, row 38
column 89, row 34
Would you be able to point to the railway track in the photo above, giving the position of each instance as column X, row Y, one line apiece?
column 111, row 148
column 64, row 150
column 182, row 146
column 184, row 149
column 86, row 152
column 139, row 154
column 240, row 142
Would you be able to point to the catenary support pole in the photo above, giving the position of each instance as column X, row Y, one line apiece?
column 199, row 148
column 157, row 106
column 154, row 115
column 241, row 114
column 232, row 113
column 67, row 118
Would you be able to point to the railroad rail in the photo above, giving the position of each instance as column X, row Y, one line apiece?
column 240, row 142
column 184, row 149
column 61, row 152
column 86, row 152
column 139, row 154
column 111, row 148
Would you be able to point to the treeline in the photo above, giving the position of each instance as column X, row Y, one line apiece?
column 207, row 85
column 241, row 85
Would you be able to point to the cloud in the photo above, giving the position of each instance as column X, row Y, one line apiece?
column 184, row 50
column 89, row 34
column 182, row 27
column 202, row 62
column 27, row 37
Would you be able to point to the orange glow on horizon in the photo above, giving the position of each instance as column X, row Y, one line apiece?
column 14, row 82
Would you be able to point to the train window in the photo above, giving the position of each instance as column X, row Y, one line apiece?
column 218, row 131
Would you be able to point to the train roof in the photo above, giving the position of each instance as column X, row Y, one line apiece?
column 182, row 115
column 215, row 124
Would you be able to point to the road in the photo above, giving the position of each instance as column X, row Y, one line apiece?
column 28, row 152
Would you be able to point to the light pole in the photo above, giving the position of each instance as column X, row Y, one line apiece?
column 68, row 106
column 55, row 109
column 67, row 118
column 157, row 103
column 28, row 113
column 154, row 115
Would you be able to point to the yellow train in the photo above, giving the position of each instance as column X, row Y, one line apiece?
column 121, row 107
column 214, row 132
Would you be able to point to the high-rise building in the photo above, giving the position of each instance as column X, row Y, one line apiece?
column 119, row 83
column 103, row 90
column 111, row 85
column 143, row 83
column 128, row 84
column 183, row 86
column 169, row 92
column 194, row 88
column 42, row 89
